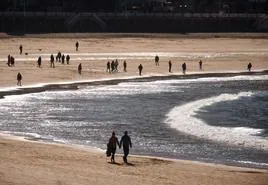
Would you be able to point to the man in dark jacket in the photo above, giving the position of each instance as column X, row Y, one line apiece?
column 126, row 141
column 19, row 78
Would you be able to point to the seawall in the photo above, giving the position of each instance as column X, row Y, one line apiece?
column 53, row 22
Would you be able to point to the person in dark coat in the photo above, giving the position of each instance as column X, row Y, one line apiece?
column 169, row 66
column 68, row 59
column 62, row 58
column 58, row 57
column 156, row 60
column 108, row 68
column 19, row 79
column 140, row 69
column 77, row 45
column 52, row 64
column 111, row 147
column 112, row 66
column 125, row 66
column 126, row 142
column 12, row 61
column 39, row 61
column 80, row 68
column 20, row 49
column 183, row 68
column 249, row 66
column 200, row 65
column 116, row 65
column 9, row 60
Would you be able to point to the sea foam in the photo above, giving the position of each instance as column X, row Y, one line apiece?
column 183, row 119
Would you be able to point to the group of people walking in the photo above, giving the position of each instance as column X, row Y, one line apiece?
column 113, row 66
column 10, row 61
column 114, row 142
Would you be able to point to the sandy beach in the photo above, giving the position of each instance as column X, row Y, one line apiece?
column 210, row 50
column 31, row 162
column 36, row 163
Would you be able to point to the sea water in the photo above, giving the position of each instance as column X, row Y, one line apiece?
column 215, row 119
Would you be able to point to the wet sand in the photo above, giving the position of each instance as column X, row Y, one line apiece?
column 31, row 163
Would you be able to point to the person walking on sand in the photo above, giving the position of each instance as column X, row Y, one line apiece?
column 80, row 68
column 125, row 66
column 20, row 49
column 12, row 61
column 183, row 68
column 156, row 60
column 62, row 58
column 249, row 66
column 112, row 66
column 77, row 45
column 108, row 67
column 140, row 69
column 68, row 59
column 39, row 61
column 111, row 147
column 169, row 66
column 200, row 65
column 58, row 57
column 9, row 60
column 19, row 78
column 126, row 142
column 116, row 65
column 52, row 64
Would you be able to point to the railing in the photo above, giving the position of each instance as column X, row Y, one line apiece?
column 135, row 14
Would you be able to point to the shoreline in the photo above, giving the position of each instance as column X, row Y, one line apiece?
column 102, row 152
column 32, row 162
column 74, row 85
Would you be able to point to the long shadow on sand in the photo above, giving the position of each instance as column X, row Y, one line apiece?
column 121, row 164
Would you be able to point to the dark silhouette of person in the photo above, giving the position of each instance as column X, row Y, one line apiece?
column 12, row 61
column 249, row 66
column 200, row 65
column 126, row 142
column 20, row 49
column 52, row 64
column 140, row 69
column 116, row 65
column 68, row 59
column 80, row 68
column 169, row 66
column 62, row 58
column 125, row 66
column 183, row 68
column 9, row 60
column 156, row 60
column 58, row 57
column 111, row 147
column 39, row 61
column 77, row 45
column 108, row 69
column 112, row 66
column 19, row 78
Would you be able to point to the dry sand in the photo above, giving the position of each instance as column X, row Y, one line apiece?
column 97, row 44
column 34, row 163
